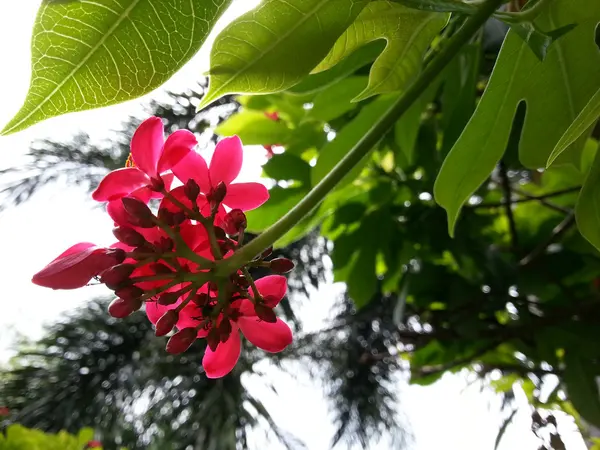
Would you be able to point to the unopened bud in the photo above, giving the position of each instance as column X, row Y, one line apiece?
column 191, row 190
column 165, row 245
column 224, row 330
column 234, row 221
column 219, row 193
column 281, row 265
column 213, row 338
column 129, row 236
column 139, row 213
column 265, row 313
column 129, row 293
column 165, row 324
column 267, row 252
column 181, row 341
column 118, row 254
column 168, row 298
column 165, row 216
column 157, row 184
column 178, row 218
column 241, row 281
column 220, row 233
column 201, row 299
column 121, row 308
column 116, row 275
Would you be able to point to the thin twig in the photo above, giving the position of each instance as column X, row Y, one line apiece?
column 529, row 198
column 543, row 201
column 506, row 188
column 557, row 232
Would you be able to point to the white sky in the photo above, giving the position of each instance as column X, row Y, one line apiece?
column 448, row 415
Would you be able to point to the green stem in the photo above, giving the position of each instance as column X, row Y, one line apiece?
column 527, row 15
column 362, row 147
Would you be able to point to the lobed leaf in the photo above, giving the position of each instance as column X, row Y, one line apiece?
column 408, row 33
column 88, row 54
column 570, row 72
column 276, row 45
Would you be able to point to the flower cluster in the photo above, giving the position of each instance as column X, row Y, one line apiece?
column 176, row 220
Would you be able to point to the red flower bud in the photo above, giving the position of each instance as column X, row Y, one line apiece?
column 165, row 216
column 139, row 213
column 218, row 193
column 121, row 308
column 241, row 281
column 129, row 293
column 168, row 298
column 213, row 338
column 265, row 313
column 191, row 190
column 157, row 184
column 267, row 252
column 224, row 330
column 165, row 245
column 201, row 299
column 165, row 324
column 178, row 218
column 220, row 233
column 281, row 265
column 129, row 236
column 235, row 221
column 181, row 341
column 116, row 275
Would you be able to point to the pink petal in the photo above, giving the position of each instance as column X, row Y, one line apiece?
column 77, row 248
column 272, row 288
column 246, row 196
column 177, row 147
column 193, row 166
column 194, row 235
column 147, row 145
column 116, row 210
column 271, row 337
column 226, row 162
column 219, row 363
column 75, row 267
column 154, row 311
column 119, row 183
column 191, row 316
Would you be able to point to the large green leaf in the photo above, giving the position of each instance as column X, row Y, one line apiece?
column 274, row 46
column 280, row 202
column 347, row 137
column 580, row 380
column 587, row 209
column 254, row 128
column 336, row 99
column 288, row 167
column 555, row 91
column 90, row 54
column 586, row 118
column 408, row 33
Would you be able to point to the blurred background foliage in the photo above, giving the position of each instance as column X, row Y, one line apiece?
column 514, row 298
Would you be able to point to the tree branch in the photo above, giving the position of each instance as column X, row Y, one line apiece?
column 557, row 232
column 512, row 226
column 529, row 198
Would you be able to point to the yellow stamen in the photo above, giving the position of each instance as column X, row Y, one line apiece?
column 130, row 162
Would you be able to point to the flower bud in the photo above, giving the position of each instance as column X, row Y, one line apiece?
column 165, row 216
column 191, row 190
column 118, row 254
column 234, row 222
column 129, row 293
column 267, row 252
column 218, row 193
column 181, row 341
column 160, row 268
column 241, row 281
column 139, row 213
column 121, row 308
column 116, row 275
column 281, row 265
column 224, row 330
column 220, row 233
column 168, row 298
column 165, row 324
column 201, row 299
column 157, row 184
column 165, row 245
column 129, row 236
column 265, row 313
column 178, row 218
column 213, row 338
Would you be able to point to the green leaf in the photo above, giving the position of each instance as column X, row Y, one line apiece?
column 91, row 54
column 254, row 128
column 570, row 72
column 346, row 138
column 408, row 33
column 280, row 202
column 587, row 209
column 580, row 125
column 336, row 99
column 273, row 47
column 538, row 40
column 439, row 5
column 580, row 380
column 361, row 57
column 288, row 167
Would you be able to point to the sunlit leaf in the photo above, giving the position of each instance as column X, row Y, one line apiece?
column 571, row 72
column 254, row 128
column 336, row 99
column 408, row 33
column 274, row 46
column 90, row 54
column 587, row 209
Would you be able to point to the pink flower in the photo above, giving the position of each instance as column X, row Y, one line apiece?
column 224, row 167
column 241, row 315
column 4, row 411
column 152, row 156
column 75, row 267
